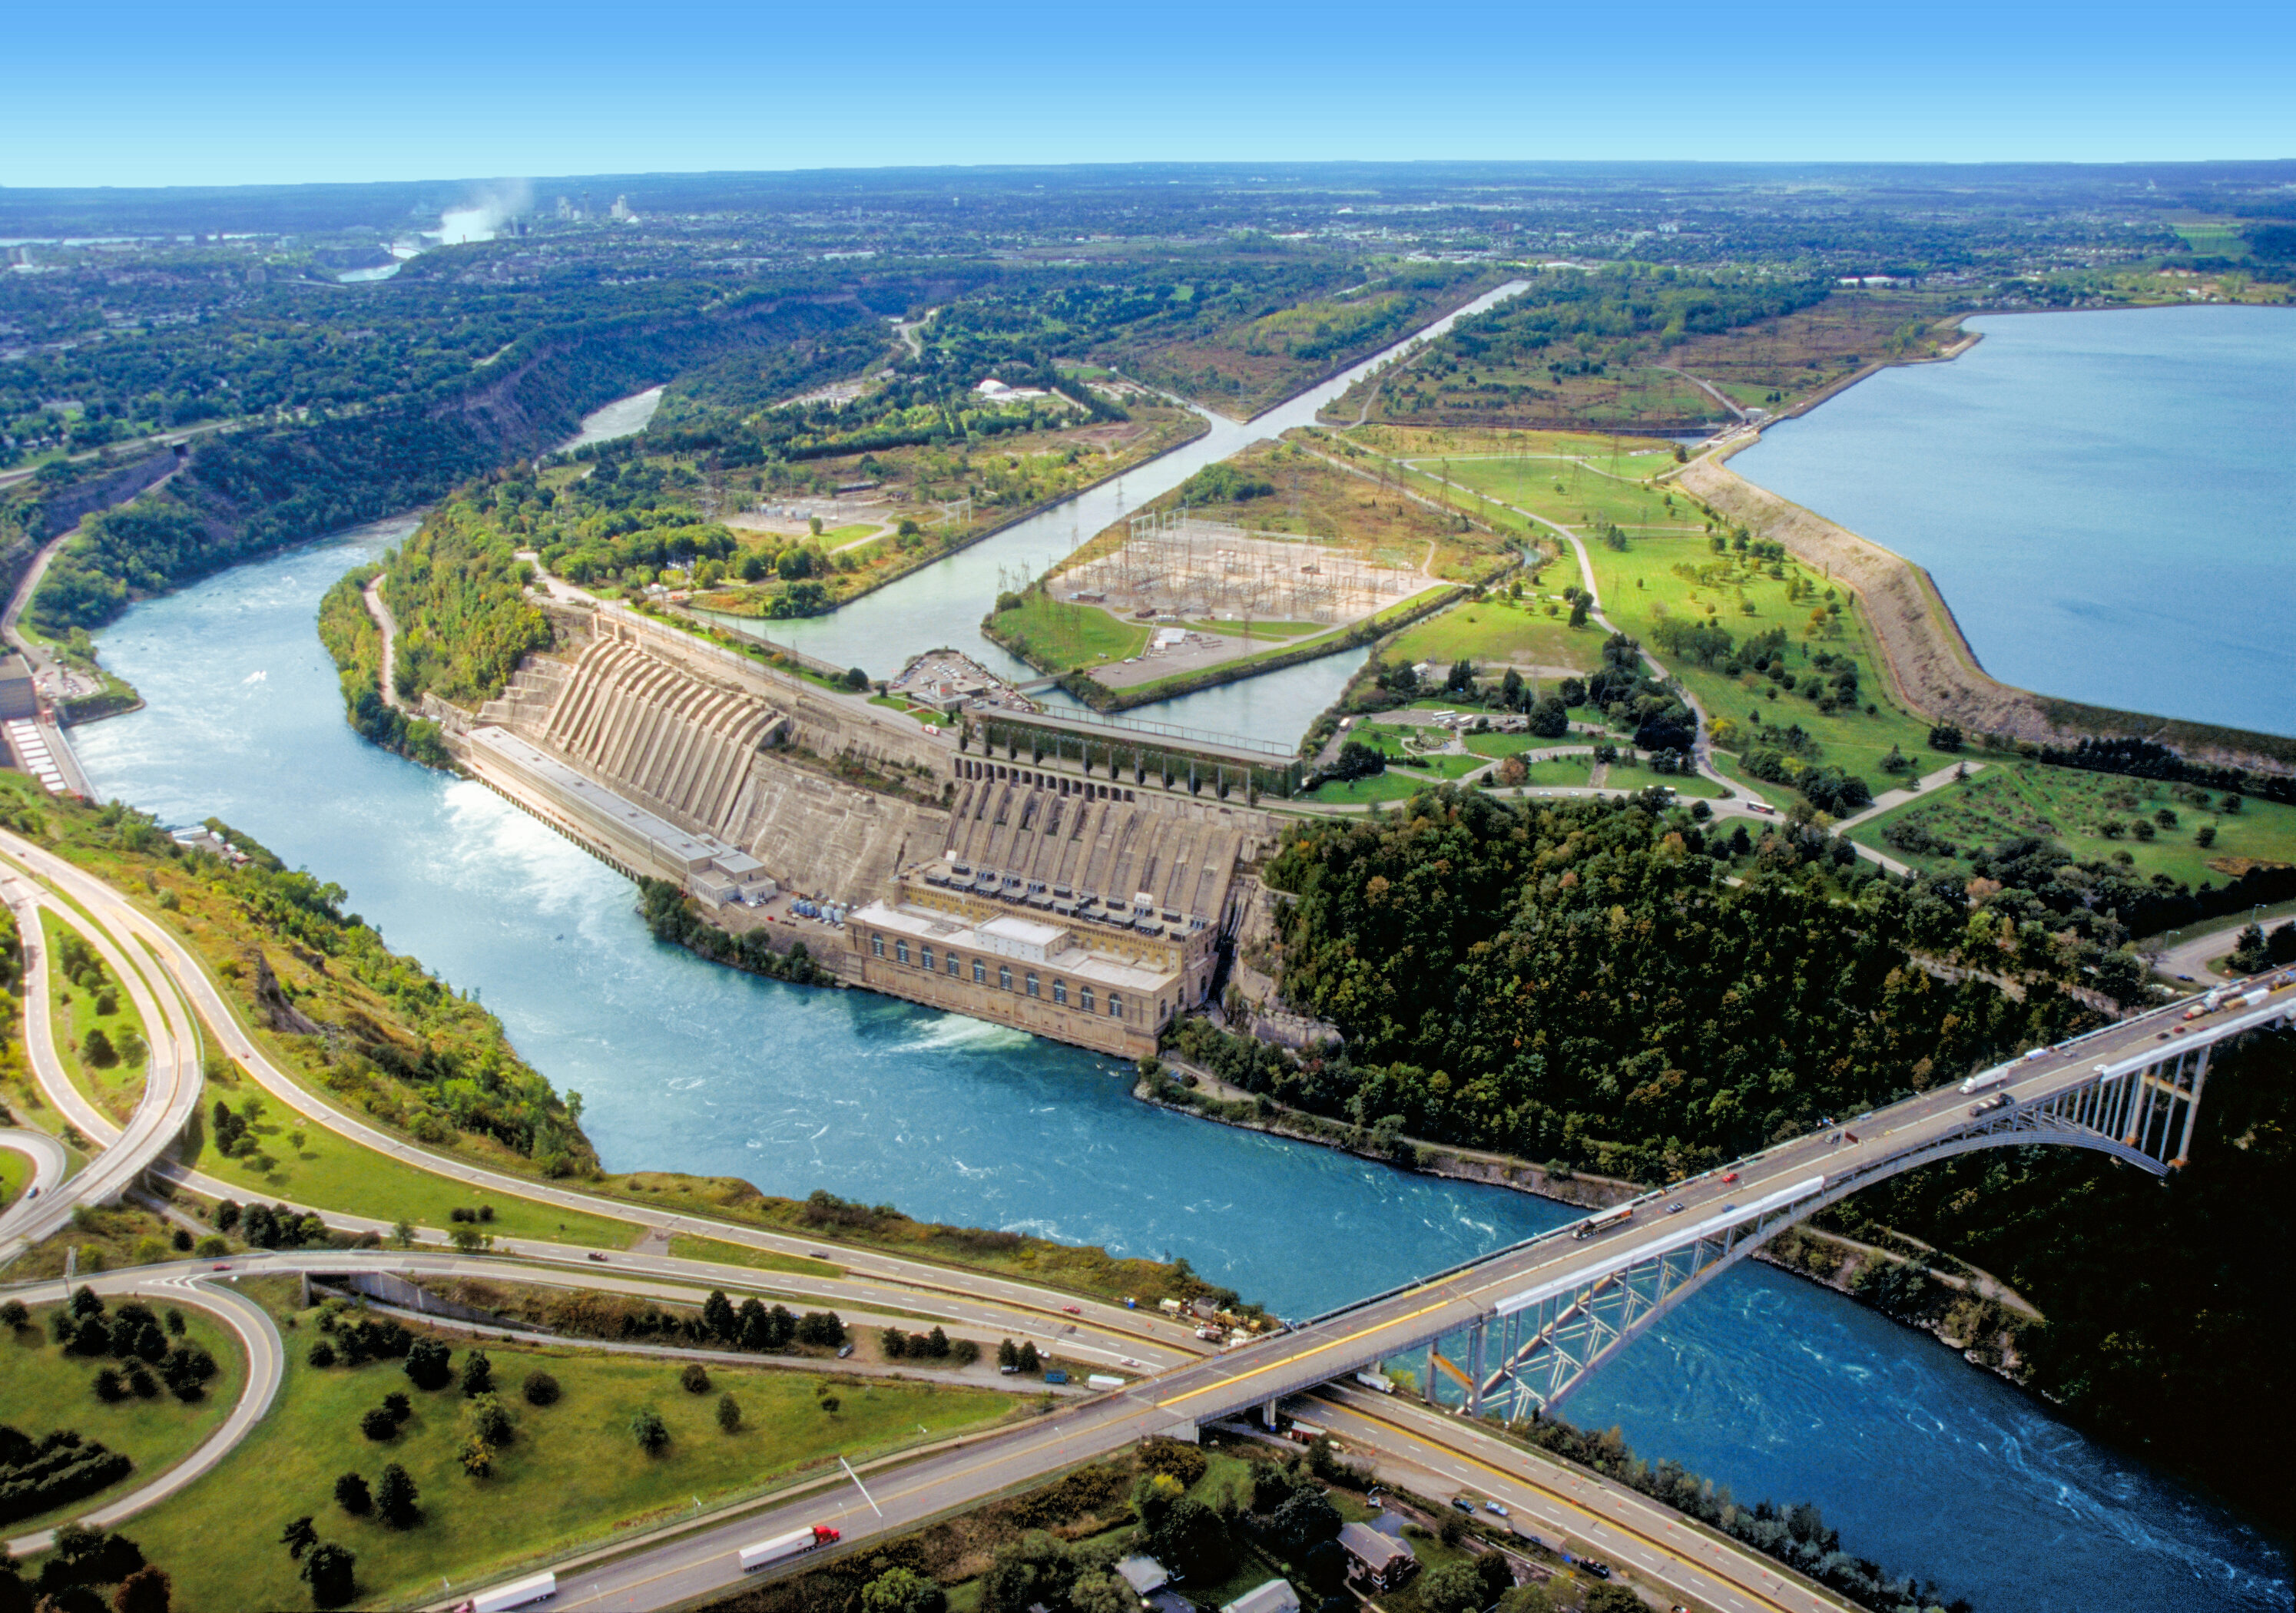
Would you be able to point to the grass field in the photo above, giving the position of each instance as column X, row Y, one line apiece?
column 15, row 1175
column 1395, row 784
column 1063, row 635
column 2007, row 800
column 1258, row 630
column 571, row 1473
column 685, row 1245
column 1495, row 632
column 114, row 1088
column 42, row 1388
column 330, row 1171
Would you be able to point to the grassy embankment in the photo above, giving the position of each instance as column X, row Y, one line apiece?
column 571, row 1473
column 42, row 1388
column 1668, row 568
column 114, row 1084
column 2009, row 799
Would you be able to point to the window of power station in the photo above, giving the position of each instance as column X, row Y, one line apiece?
column 1085, row 1000
column 953, row 963
column 901, row 951
column 1033, row 985
column 1005, row 977
column 1060, row 992
column 1115, row 1006
column 877, row 946
column 925, row 959
column 980, row 972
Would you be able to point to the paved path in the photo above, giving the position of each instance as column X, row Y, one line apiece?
column 379, row 611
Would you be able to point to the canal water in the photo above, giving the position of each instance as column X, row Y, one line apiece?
column 941, row 606
column 2103, row 497
column 1765, row 1383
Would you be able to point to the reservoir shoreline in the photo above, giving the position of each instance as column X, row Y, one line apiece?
column 2038, row 539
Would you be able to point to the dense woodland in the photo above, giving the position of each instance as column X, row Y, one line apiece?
column 1572, row 982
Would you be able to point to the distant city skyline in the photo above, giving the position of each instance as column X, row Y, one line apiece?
column 261, row 94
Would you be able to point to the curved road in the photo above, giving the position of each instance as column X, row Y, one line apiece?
column 266, row 1369
column 50, row 1162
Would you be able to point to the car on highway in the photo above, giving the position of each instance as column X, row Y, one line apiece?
column 1073, row 1310
column 1997, row 1101
column 1728, row 1177
column 222, row 1266
column 1600, row 1570
column 600, row 1258
column 843, row 1350
column 1494, row 1509
column 1675, row 1208
column 1466, row 1503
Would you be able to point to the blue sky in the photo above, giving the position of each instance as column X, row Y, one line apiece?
column 251, row 93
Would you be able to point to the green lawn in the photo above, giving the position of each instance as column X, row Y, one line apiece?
column 684, row 1246
column 327, row 1171
column 2014, row 798
column 42, row 1388
column 572, row 1473
column 1064, row 635
column 1495, row 631
column 1642, row 585
column 1256, row 630
column 15, row 1174
column 924, row 714
column 1496, row 745
column 114, row 1088
column 1395, row 784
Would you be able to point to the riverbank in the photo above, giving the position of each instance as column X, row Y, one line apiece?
column 1987, row 1331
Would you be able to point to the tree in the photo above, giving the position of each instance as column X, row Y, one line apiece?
column 353, row 1496
column 893, row 1343
column 856, row 679
column 402, row 1232
column 964, row 1352
column 1008, row 1354
column 98, row 1049
column 1101, row 1593
column 719, row 1316
column 378, row 1424
column 397, row 1498
column 540, row 1389
column 430, row 1364
column 906, row 1591
column 1578, row 611
column 729, row 1414
column 109, row 1388
column 298, row 1537
column 936, row 1344
column 650, row 1431
column 1453, row 1588
column 485, row 1417
column 148, row 1590
column 821, row 1328
column 694, row 1379
column 1307, row 1518
column 476, row 1455
column 14, row 1316
column 332, row 1571
column 1611, row 1597
column 1030, row 1362
column 320, row 1355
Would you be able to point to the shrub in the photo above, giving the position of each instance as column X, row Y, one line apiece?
column 694, row 1379
column 729, row 1413
column 332, row 1572
column 396, row 1498
column 210, row 1248
column 540, row 1389
column 650, row 1431
column 478, row 1373
column 430, row 1365
column 379, row 1424
column 109, row 1388
column 14, row 1314
column 353, row 1496
column 322, row 1354
column 141, row 1383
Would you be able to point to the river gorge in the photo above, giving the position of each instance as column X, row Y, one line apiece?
column 1765, row 1383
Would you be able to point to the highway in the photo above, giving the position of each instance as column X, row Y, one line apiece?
column 50, row 1165
column 1188, row 1388
column 1440, row 1456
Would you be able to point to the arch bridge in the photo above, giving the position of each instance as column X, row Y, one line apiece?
column 1519, row 1330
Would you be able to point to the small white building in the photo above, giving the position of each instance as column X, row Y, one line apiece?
column 1144, row 1574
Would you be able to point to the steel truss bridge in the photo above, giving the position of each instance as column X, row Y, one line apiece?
column 1519, row 1330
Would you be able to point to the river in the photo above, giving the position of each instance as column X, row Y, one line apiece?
column 1763, row 1382
column 2103, row 498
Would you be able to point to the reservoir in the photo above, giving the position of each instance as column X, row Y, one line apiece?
column 1765, row 1383
column 2104, row 499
